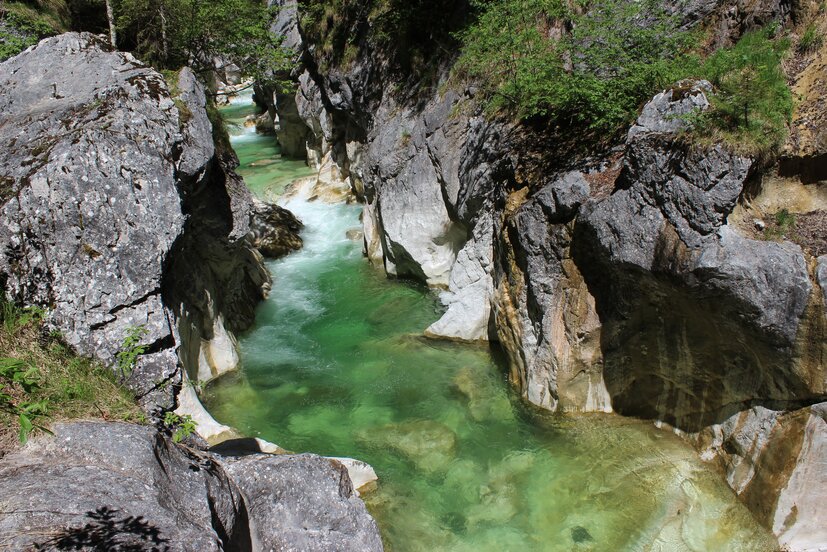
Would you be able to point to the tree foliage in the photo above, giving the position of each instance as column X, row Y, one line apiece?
column 173, row 33
column 752, row 103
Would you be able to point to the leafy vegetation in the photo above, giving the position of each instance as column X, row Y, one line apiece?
column 41, row 380
column 172, row 33
column 752, row 102
column 180, row 426
column 17, row 374
column 405, row 32
column 591, row 64
column 130, row 350
column 22, row 26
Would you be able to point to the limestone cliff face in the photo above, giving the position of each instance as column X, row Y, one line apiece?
column 631, row 282
column 428, row 172
column 545, row 314
column 698, row 320
column 119, row 212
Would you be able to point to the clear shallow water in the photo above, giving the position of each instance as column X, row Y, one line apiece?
column 335, row 365
column 264, row 170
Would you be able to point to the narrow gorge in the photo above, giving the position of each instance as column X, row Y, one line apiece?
column 400, row 315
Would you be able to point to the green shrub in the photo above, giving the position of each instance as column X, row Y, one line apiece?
column 594, row 76
column 591, row 67
column 172, row 33
column 19, row 381
column 131, row 348
column 752, row 103
column 782, row 226
column 180, row 426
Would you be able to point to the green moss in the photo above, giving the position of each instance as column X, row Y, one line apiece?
column 221, row 137
column 6, row 188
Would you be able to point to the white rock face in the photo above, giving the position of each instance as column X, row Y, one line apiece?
column 421, row 240
column 469, row 290
column 800, row 519
column 206, row 426
column 218, row 355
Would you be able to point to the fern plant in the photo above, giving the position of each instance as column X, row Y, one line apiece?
column 131, row 349
column 19, row 380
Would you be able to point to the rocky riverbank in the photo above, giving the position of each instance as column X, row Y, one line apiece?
column 626, row 281
column 122, row 213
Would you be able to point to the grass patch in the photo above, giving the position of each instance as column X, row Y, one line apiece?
column 41, row 370
column 811, row 39
column 782, row 226
column 22, row 25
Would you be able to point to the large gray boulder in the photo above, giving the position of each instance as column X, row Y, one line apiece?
column 118, row 211
column 90, row 209
column 698, row 321
column 303, row 503
column 112, row 486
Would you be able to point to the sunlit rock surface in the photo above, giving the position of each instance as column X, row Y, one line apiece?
column 95, row 486
column 698, row 321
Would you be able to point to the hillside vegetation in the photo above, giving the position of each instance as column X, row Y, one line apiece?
column 42, row 380
column 591, row 66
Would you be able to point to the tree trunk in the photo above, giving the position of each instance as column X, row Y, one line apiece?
column 110, row 17
column 164, row 39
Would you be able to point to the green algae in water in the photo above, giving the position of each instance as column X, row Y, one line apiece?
column 336, row 365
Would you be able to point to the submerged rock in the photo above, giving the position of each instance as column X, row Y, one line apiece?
column 275, row 230
column 96, row 486
column 486, row 399
column 429, row 444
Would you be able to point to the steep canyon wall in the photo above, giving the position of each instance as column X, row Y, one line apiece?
column 622, row 282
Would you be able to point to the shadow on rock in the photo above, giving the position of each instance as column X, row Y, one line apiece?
column 106, row 531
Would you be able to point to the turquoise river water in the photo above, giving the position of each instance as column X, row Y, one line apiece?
column 336, row 365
